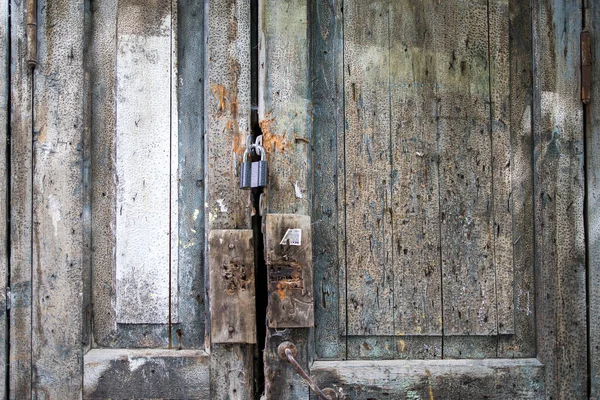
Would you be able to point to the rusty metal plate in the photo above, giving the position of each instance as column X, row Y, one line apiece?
column 289, row 267
column 232, row 289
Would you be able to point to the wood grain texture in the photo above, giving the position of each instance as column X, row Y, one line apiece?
column 465, row 167
column 369, row 269
column 522, row 343
column 499, row 56
column 122, row 373
column 415, row 187
column 21, row 153
column 326, row 70
column 460, row 379
column 283, row 92
column 58, row 202
column 592, row 161
column 232, row 288
column 4, row 239
column 227, row 110
column 559, row 196
column 190, row 91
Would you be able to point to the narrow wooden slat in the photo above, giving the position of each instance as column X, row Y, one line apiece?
column 593, row 201
column 227, row 108
column 559, row 195
column 58, row 202
column 440, row 379
column 499, row 55
column 283, row 92
column 369, row 236
column 522, row 343
column 326, row 71
column 20, row 206
column 465, row 167
column 190, row 78
column 144, row 157
column 415, row 189
column 4, row 115
column 124, row 373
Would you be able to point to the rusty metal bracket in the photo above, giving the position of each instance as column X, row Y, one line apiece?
column 231, row 286
column 31, row 33
column 288, row 253
column 586, row 67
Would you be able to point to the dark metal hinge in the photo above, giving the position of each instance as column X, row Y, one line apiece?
column 586, row 67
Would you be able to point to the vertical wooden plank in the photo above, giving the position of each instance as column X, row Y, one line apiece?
column 369, row 236
column 522, row 343
column 144, row 158
column 415, row 189
column 592, row 161
column 58, row 202
column 465, row 167
column 21, row 123
column 190, row 92
column 559, row 186
column 103, row 98
column 4, row 240
column 283, row 92
column 501, row 159
column 227, row 102
column 326, row 71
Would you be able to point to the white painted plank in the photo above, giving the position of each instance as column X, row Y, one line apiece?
column 146, row 169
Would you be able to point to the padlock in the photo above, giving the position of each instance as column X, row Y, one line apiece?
column 259, row 169
column 246, row 170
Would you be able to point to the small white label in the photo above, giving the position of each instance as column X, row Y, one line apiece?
column 293, row 237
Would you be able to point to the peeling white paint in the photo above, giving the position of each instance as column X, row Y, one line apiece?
column 135, row 363
column 298, row 190
column 196, row 213
column 54, row 211
column 222, row 206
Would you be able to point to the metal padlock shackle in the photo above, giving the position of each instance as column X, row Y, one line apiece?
column 258, row 149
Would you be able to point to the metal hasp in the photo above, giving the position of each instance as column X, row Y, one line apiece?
column 287, row 351
column 586, row 67
column 288, row 252
column 232, row 290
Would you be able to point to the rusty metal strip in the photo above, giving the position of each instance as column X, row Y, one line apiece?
column 31, row 33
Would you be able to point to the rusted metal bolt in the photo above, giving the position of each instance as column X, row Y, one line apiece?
column 231, row 245
column 231, row 329
column 285, row 346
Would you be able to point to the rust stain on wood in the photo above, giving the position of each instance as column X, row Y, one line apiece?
column 272, row 141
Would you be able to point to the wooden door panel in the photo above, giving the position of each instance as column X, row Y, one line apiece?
column 427, row 195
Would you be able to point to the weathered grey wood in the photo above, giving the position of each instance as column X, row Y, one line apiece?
column 465, row 166
column 227, row 108
column 522, row 343
column 4, row 115
column 232, row 371
column 58, row 202
column 559, row 195
column 592, row 161
column 394, row 347
column 499, row 53
column 289, row 271
column 232, row 288
column 369, row 258
column 146, row 165
column 123, row 373
column 283, row 92
column 21, row 120
column 414, row 180
column 326, row 70
column 190, row 92
column 460, row 379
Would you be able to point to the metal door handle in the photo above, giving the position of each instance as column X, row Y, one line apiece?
column 287, row 351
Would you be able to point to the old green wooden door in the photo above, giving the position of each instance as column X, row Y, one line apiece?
column 437, row 191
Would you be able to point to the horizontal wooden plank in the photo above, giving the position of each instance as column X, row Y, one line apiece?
column 126, row 373
column 432, row 379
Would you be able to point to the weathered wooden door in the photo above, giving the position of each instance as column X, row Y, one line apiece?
column 437, row 147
